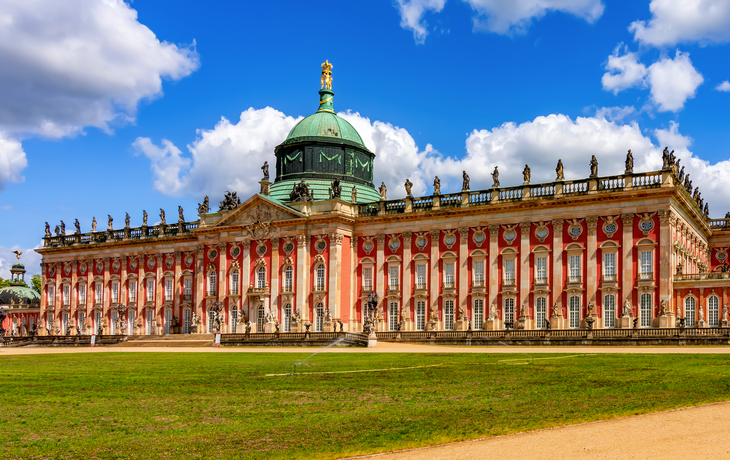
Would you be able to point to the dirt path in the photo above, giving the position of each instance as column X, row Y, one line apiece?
column 691, row 433
column 383, row 347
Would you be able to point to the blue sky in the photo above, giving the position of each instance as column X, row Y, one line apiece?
column 109, row 107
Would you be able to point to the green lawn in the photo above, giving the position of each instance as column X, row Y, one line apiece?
column 223, row 405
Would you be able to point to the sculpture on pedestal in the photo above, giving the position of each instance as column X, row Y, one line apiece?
column 93, row 224
column 110, row 222
column 383, row 191
column 48, row 229
column 162, row 217
column 560, row 175
column 63, row 228
column 204, row 208
column 628, row 311
column 629, row 163
column 336, row 189
column 180, row 216
column 300, row 192
column 464, row 181
column 77, row 225
column 353, row 196
column 437, row 186
column 265, row 169
column 126, row 220
column 526, row 175
column 594, row 166
column 495, row 177
column 144, row 218
column 408, row 186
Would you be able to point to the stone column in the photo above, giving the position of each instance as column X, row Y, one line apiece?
column 177, row 288
column 199, row 282
column 274, row 285
column 557, row 322
column 303, row 264
column 493, row 323
column 627, row 270
column 406, row 282
column 435, row 275
column 667, row 221
column 246, row 277
column 222, row 271
column 335, row 279
column 591, row 260
column 354, row 287
column 463, row 277
column 524, row 264
column 380, row 269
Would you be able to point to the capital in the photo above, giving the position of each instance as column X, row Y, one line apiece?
column 627, row 219
column 464, row 233
column 558, row 225
column 494, row 230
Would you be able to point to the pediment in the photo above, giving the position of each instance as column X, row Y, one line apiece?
column 256, row 213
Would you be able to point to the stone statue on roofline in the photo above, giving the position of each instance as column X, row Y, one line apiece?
column 127, row 219
column 63, row 228
column 526, row 175
column 109, row 222
column 300, row 192
column 353, row 196
column 409, row 186
column 77, row 226
column 57, row 230
column 680, row 176
column 383, row 191
column 180, row 216
column 495, row 177
column 144, row 218
column 93, row 224
column 559, row 174
column 437, row 186
column 594, row 166
column 48, row 229
column 629, row 163
column 230, row 201
column 204, row 208
column 336, row 189
column 465, row 181
column 265, row 170
column 162, row 217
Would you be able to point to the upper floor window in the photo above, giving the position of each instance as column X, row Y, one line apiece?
column 115, row 291
column 319, row 280
column 509, row 272
column 645, row 271
column 82, row 294
column 168, row 288
column 449, row 270
column 540, row 270
column 234, row 282
column 421, row 276
column 150, row 290
column 66, row 294
column 187, row 289
column 478, row 273
column 393, row 277
column 261, row 277
column 367, row 278
column 51, row 294
column 288, row 278
column 97, row 292
column 609, row 266
column 132, row 291
column 212, row 282
column 574, row 269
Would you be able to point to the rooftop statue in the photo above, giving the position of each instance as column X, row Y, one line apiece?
column 594, row 166
column 77, row 225
column 408, row 186
column 326, row 80
column 57, row 231
column 63, row 228
column 559, row 171
column 17, row 253
column 127, row 219
column 144, row 218
column 465, row 181
column 230, row 201
column 48, row 229
column 437, row 186
column 180, row 215
column 110, row 222
column 204, row 208
column 526, row 175
column 383, row 191
column 354, row 194
column 265, row 169
column 629, row 163
column 162, row 216
column 495, row 177
column 680, row 176
column 336, row 189
column 300, row 192
column 93, row 224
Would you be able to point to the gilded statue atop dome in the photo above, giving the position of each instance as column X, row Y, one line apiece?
column 326, row 80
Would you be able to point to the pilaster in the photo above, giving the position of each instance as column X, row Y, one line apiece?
column 434, row 278
column 463, row 273
column 557, row 272
column 524, row 259
column 177, row 287
column 406, row 283
column 354, row 287
column 199, row 281
column 303, row 264
column 627, row 266
column 246, row 276
column 493, row 270
column 592, row 262
column 274, row 285
column 380, row 268
column 335, row 269
column 667, row 221
column 223, row 271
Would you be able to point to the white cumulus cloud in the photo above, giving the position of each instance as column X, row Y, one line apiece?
column 30, row 259
column 515, row 16
column 673, row 81
column 623, row 71
column 77, row 63
column 677, row 21
column 12, row 161
column 724, row 86
column 412, row 13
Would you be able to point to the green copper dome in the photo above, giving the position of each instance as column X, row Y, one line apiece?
column 324, row 123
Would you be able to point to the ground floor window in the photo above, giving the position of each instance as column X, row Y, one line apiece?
column 713, row 311
column 393, row 316
column 690, row 309
column 234, row 320
column 645, row 310
column 187, row 316
column 168, row 320
column 97, row 321
column 260, row 319
column 420, row 315
column 319, row 318
column 478, row 313
column 509, row 310
column 130, row 322
column 449, row 315
column 286, row 320
column 80, row 324
column 115, row 317
column 150, row 319
column 574, row 312
column 64, row 323
column 609, row 310
column 541, row 312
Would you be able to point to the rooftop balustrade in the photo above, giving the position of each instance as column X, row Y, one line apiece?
column 124, row 234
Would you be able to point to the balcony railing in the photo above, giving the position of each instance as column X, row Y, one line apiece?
column 508, row 282
column 611, row 277
column 541, row 281
column 702, row 276
column 187, row 297
column 108, row 236
column 448, row 284
column 574, row 279
column 646, row 276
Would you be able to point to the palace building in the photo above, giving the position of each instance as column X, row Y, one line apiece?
column 321, row 248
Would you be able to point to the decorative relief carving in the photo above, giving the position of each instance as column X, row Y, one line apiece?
column 336, row 238
column 575, row 228
column 435, row 234
column 463, row 233
column 494, row 230
column 610, row 227
column 319, row 259
column 320, row 244
column 646, row 222
column 288, row 245
column 449, row 238
column 421, row 240
column 628, row 220
column 479, row 236
column 541, row 231
column 510, row 234
column 380, row 239
column 558, row 226
column 592, row 224
column 367, row 244
column 394, row 243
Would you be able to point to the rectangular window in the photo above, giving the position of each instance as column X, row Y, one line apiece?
column 449, row 315
column 645, row 310
column 188, row 289
column 97, row 292
column 645, row 271
column 509, row 272
column 49, row 324
column 449, row 275
column 211, row 282
column 132, row 291
column 150, row 290
column 319, row 318
column 115, row 291
column 82, row 320
column 319, row 280
column 478, row 273
column 130, row 322
column 66, row 294
column 509, row 311
column 609, row 310
column 186, row 321
column 51, row 295
column 82, row 294
column 367, row 278
column 713, row 309
column 541, row 270
column 287, row 318
column 288, row 278
column 574, row 312
column 113, row 325
column 97, row 322
column 421, row 276
column 478, row 313
column 150, row 317
column 609, row 266
column 393, row 316
column 420, row 315
column 168, row 320
column 690, row 305
column 393, row 278
column 574, row 269
column 234, row 282
column 541, row 312
column 168, row 288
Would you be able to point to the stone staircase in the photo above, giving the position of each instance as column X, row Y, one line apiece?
column 171, row 340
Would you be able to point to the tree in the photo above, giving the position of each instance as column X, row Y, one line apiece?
column 4, row 283
column 35, row 280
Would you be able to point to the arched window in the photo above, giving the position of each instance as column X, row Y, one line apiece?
column 234, row 282
column 261, row 277
column 713, row 311
column 211, row 282
column 286, row 320
column 319, row 317
column 288, row 278
column 541, row 312
column 260, row 319
column 319, row 280
column 690, row 310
